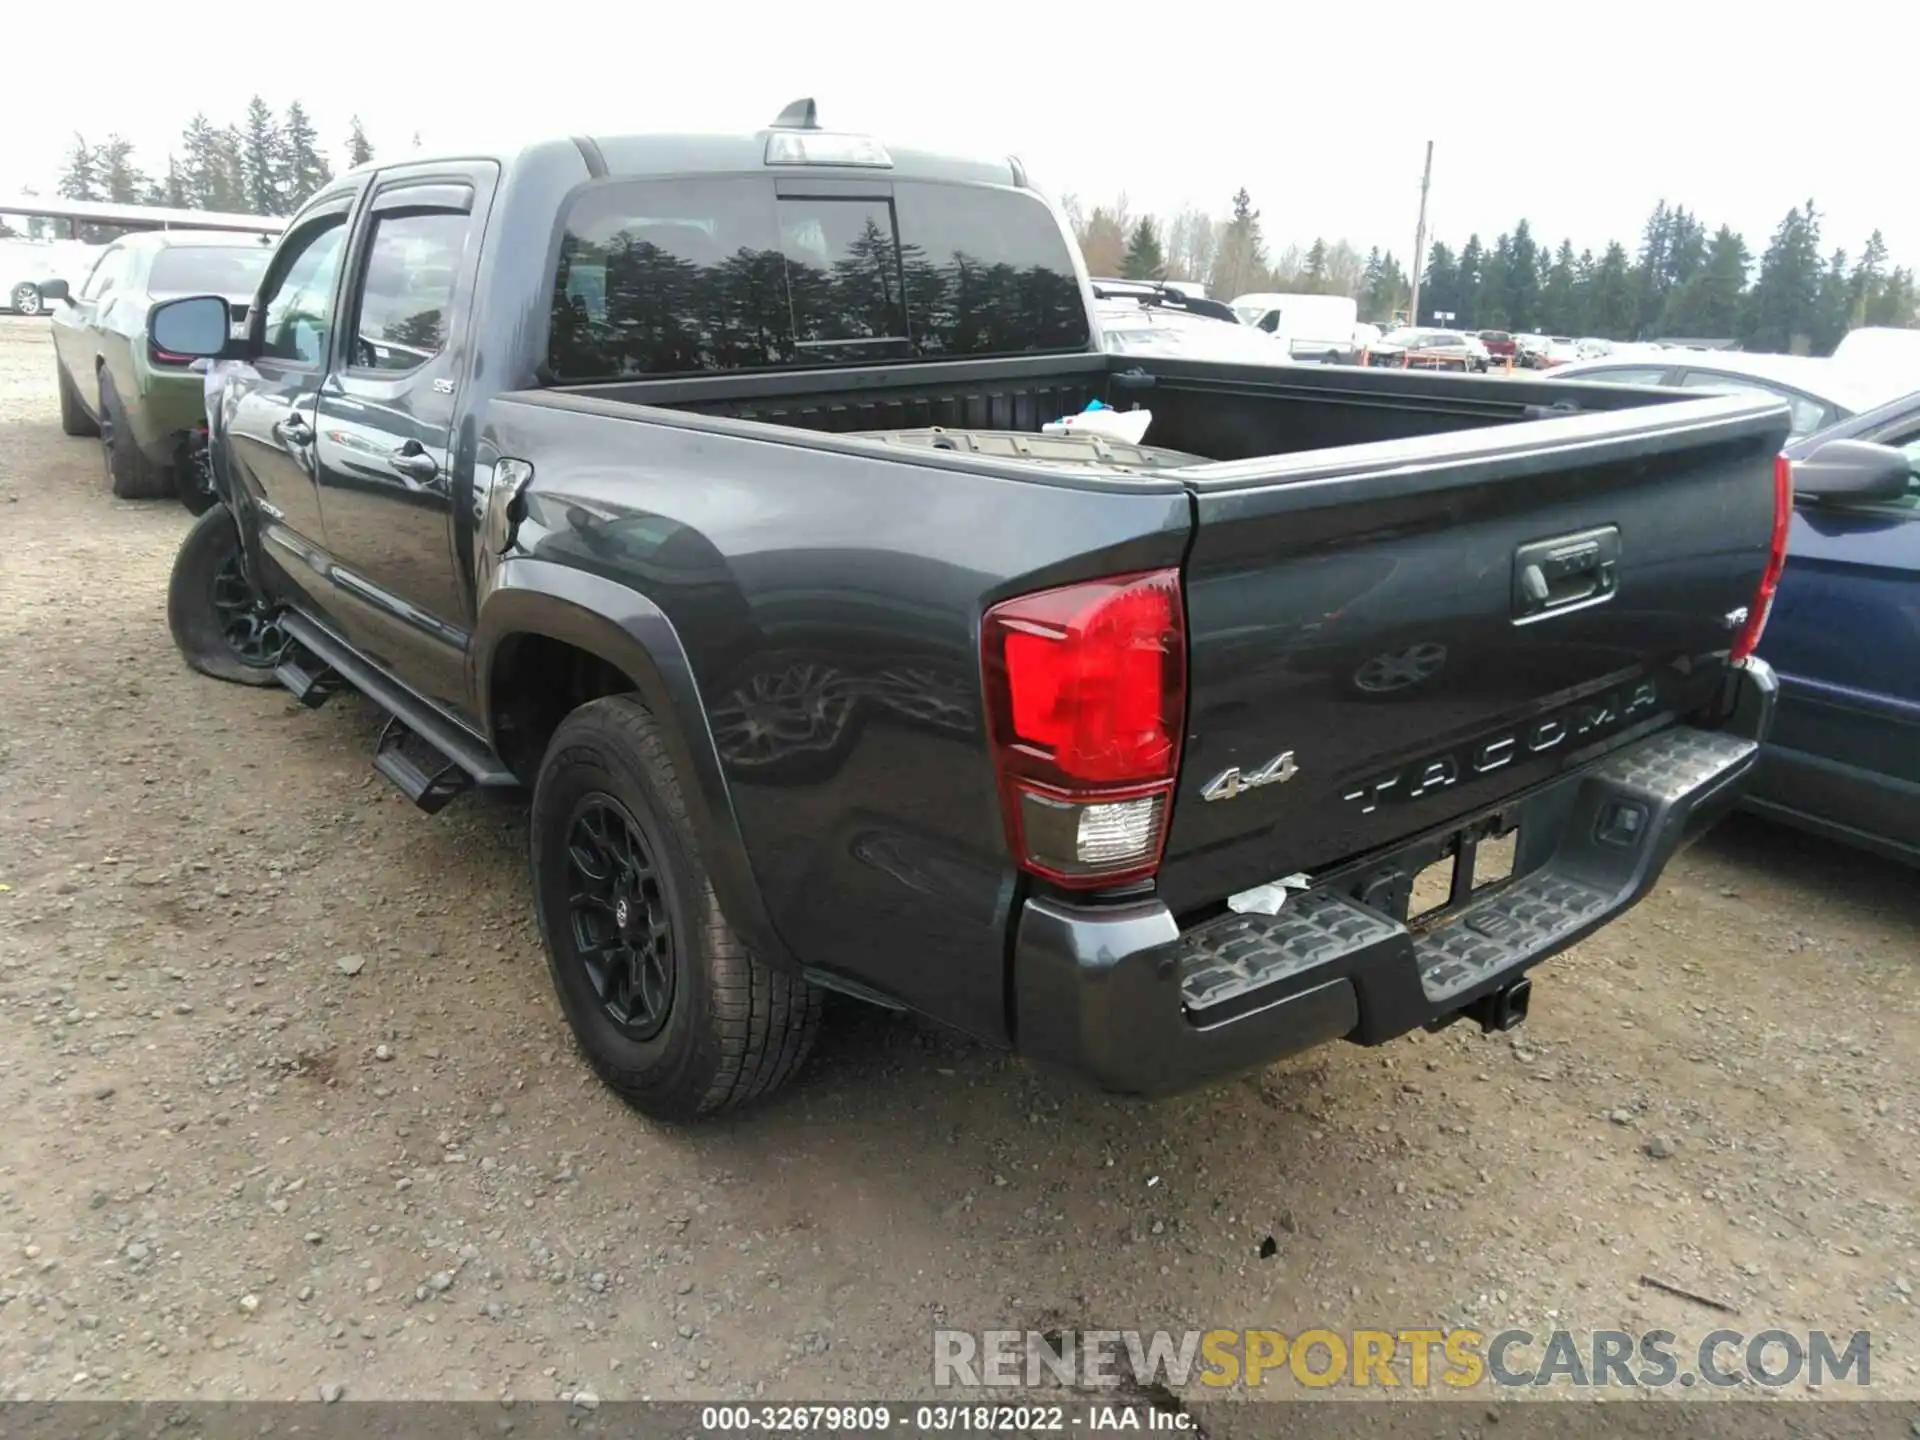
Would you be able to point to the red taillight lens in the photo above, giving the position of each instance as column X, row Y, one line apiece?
column 1748, row 639
column 167, row 357
column 1086, row 696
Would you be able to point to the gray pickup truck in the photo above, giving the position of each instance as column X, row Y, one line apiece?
column 702, row 487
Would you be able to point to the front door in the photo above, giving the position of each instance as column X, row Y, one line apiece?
column 271, row 428
column 388, row 467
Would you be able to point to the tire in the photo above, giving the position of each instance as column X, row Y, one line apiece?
column 74, row 419
column 690, row 1024
column 219, row 627
column 134, row 477
column 26, row 300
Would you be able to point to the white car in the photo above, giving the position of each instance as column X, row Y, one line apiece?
column 24, row 264
column 1818, row 392
column 1128, row 327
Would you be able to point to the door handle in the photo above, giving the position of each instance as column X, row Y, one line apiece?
column 413, row 462
column 1565, row 573
column 294, row 430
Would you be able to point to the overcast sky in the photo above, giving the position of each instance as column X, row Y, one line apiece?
column 1321, row 112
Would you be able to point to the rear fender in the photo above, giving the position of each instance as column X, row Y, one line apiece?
column 629, row 632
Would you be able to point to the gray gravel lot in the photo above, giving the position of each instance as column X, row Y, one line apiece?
column 288, row 1104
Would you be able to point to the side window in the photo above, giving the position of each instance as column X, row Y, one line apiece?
column 297, row 299
column 406, row 292
column 1807, row 415
column 106, row 273
column 1270, row 322
column 1909, row 441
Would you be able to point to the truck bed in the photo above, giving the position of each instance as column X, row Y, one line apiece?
column 1220, row 412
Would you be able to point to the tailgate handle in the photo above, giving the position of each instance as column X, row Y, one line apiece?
column 1565, row 573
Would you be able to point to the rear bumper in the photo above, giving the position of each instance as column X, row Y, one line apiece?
column 1124, row 996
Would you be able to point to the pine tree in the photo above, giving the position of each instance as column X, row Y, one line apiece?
column 1313, row 269
column 231, row 168
column 1440, row 287
column 1466, row 285
column 1612, row 310
column 1144, row 259
column 262, row 147
column 1521, row 288
column 1240, row 262
column 122, row 180
column 175, row 185
column 80, row 179
column 359, row 151
column 1868, row 279
column 1560, row 295
column 1897, row 303
column 303, row 170
column 1782, row 312
column 1709, row 306
column 1834, row 306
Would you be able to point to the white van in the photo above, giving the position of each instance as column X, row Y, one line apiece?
column 1313, row 327
column 1882, row 347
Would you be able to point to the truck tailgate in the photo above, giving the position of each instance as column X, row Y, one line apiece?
column 1387, row 638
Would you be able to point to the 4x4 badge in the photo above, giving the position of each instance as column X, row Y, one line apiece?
column 1230, row 782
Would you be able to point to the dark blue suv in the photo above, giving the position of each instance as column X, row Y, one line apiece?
column 1844, row 757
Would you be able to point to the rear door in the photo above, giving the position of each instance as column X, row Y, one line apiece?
column 1362, row 631
column 1845, row 638
column 388, row 468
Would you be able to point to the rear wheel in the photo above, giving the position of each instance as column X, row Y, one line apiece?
column 74, row 419
column 26, row 300
column 672, row 1010
column 219, row 624
column 134, row 477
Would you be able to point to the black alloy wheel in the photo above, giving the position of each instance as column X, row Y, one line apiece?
column 251, row 628
column 621, row 929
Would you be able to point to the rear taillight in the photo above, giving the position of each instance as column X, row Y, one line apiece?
column 1086, row 695
column 167, row 357
column 1748, row 639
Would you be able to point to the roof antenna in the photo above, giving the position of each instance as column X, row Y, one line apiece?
column 800, row 115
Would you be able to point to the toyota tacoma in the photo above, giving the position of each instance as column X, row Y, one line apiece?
column 721, row 493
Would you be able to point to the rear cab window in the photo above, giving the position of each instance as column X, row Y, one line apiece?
column 697, row 276
column 228, row 270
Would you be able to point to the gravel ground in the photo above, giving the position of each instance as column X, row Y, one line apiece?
column 288, row 1103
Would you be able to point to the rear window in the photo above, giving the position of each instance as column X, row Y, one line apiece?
column 208, row 270
column 683, row 277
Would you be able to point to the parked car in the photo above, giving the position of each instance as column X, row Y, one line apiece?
column 1165, row 295
column 25, row 265
column 829, row 668
column 1501, row 346
column 1128, row 327
column 143, row 401
column 1420, row 349
column 1818, row 393
column 1844, row 756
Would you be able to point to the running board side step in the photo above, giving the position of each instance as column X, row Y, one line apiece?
column 428, row 756
column 407, row 766
column 312, row 681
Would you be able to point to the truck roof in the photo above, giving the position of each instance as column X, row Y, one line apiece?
column 648, row 155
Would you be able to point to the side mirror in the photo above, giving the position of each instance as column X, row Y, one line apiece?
column 54, row 290
column 198, row 327
column 1852, row 470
